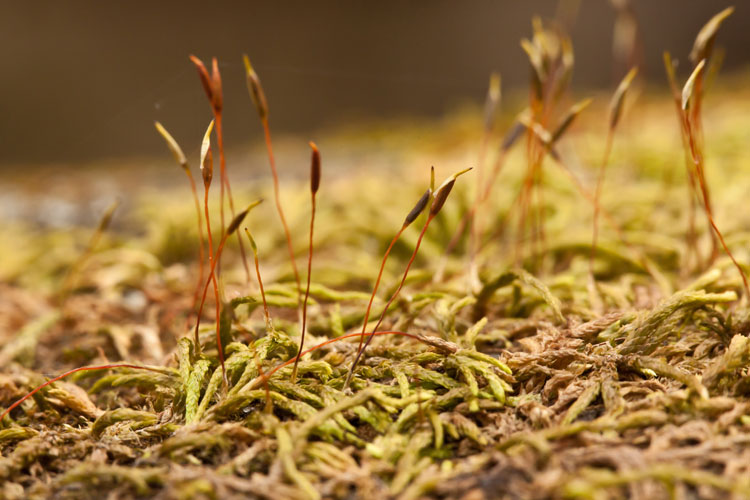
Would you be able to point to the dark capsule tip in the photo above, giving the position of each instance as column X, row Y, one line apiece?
column 207, row 169
column 255, row 89
column 216, row 87
column 418, row 208
column 512, row 136
column 205, row 78
column 237, row 221
column 314, row 168
column 441, row 196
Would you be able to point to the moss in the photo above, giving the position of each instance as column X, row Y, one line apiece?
column 535, row 363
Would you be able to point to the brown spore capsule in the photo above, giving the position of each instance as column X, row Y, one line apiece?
column 217, row 100
column 255, row 89
column 314, row 168
column 512, row 136
column 618, row 98
column 237, row 221
column 441, row 196
column 207, row 168
column 205, row 78
column 173, row 146
column 418, row 208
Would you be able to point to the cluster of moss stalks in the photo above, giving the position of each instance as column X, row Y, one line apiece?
column 618, row 368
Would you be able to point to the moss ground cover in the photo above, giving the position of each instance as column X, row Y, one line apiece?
column 521, row 359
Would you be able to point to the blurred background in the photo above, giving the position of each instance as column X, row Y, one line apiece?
column 83, row 81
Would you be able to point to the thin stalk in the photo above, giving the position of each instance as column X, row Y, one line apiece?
column 225, row 183
column 236, row 221
column 576, row 183
column 606, row 215
column 526, row 198
column 540, row 107
column 410, row 217
column 211, row 276
column 104, row 222
column 307, row 291
column 468, row 217
column 201, row 237
column 696, row 110
column 588, row 196
column 277, row 198
column 508, row 142
column 314, row 186
column 258, row 97
column 490, row 109
column 360, row 352
column 377, row 284
column 692, row 235
column 693, row 91
column 615, row 112
column 698, row 163
column 181, row 160
column 597, row 198
column 212, row 279
column 213, row 87
column 71, row 372
column 535, row 151
column 548, row 150
column 493, row 98
column 697, row 159
column 269, row 403
column 406, row 273
column 439, row 199
column 222, row 171
column 207, row 172
column 254, row 247
column 539, row 238
column 693, row 193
